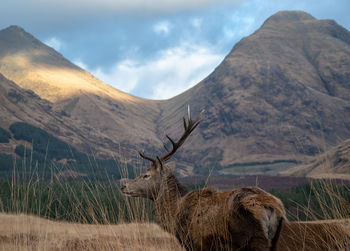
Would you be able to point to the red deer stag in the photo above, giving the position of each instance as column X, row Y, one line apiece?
column 246, row 218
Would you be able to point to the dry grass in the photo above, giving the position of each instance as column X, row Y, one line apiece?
column 342, row 222
column 24, row 232
column 320, row 235
column 27, row 232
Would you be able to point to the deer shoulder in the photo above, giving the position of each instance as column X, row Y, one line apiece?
column 239, row 219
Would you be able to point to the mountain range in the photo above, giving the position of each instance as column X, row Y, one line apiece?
column 282, row 95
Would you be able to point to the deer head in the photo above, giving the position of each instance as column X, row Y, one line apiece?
column 148, row 184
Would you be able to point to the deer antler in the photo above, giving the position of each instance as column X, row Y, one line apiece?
column 146, row 157
column 189, row 126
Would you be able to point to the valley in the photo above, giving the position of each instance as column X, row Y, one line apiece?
column 259, row 107
column 275, row 114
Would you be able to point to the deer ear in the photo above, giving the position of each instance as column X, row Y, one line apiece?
column 170, row 166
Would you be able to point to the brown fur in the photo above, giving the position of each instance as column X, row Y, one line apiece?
column 232, row 220
column 240, row 219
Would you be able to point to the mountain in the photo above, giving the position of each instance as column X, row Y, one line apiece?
column 333, row 164
column 23, row 105
column 104, row 119
column 282, row 95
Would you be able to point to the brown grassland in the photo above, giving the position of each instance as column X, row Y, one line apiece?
column 27, row 232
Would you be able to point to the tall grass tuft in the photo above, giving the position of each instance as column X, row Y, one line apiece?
column 316, row 200
column 88, row 213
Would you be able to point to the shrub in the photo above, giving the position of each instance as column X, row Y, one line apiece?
column 4, row 136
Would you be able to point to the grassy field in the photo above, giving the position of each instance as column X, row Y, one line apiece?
column 26, row 232
column 95, row 216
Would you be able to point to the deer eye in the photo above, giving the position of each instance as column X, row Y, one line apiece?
column 146, row 176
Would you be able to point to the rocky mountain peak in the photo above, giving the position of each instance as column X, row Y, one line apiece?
column 289, row 16
column 280, row 96
column 13, row 29
column 15, row 38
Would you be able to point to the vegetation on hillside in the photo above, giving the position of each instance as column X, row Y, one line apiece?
column 43, row 143
column 84, row 202
column 50, row 156
column 317, row 200
column 4, row 136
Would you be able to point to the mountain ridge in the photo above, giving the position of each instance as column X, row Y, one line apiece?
column 25, row 50
column 282, row 93
column 268, row 73
column 102, row 113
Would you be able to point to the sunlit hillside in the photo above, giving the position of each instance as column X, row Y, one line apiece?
column 46, row 72
column 101, row 118
column 260, row 108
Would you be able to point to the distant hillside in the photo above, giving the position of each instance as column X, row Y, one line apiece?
column 103, row 119
column 282, row 95
column 333, row 164
column 34, row 148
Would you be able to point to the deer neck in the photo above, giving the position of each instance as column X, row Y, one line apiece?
column 165, row 204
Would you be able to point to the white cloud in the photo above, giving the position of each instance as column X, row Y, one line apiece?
column 54, row 43
column 80, row 63
column 196, row 22
column 117, row 6
column 124, row 75
column 241, row 25
column 173, row 71
column 162, row 27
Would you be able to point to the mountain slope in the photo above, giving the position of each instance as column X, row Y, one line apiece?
column 33, row 65
column 282, row 93
column 333, row 164
column 23, row 105
column 110, row 119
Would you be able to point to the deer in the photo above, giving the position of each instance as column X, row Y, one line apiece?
column 246, row 218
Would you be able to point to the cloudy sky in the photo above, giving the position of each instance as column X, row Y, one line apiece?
column 152, row 48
